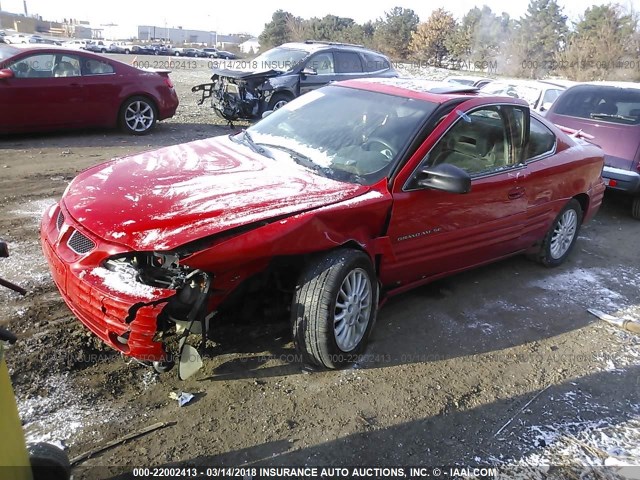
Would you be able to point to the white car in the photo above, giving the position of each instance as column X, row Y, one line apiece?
column 540, row 94
column 17, row 38
column 79, row 44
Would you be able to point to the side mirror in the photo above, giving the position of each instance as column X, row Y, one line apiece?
column 309, row 71
column 6, row 73
column 445, row 177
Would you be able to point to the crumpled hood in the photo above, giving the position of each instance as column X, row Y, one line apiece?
column 162, row 199
column 247, row 74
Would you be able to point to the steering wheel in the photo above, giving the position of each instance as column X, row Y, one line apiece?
column 387, row 150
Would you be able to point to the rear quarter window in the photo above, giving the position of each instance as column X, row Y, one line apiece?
column 606, row 104
column 375, row 63
column 541, row 140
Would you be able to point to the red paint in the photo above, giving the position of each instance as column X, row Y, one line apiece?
column 164, row 199
column 55, row 103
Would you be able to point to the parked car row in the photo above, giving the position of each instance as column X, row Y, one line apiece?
column 608, row 113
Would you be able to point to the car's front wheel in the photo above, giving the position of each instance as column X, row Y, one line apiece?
column 334, row 308
column 278, row 100
column 562, row 235
column 138, row 116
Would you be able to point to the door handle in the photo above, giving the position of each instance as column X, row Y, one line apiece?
column 516, row 193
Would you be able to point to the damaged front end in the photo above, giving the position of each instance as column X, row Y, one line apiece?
column 238, row 95
column 142, row 304
column 184, row 312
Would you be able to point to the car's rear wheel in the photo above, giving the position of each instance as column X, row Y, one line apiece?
column 138, row 116
column 103, row 50
column 127, row 51
column 278, row 100
column 559, row 240
column 635, row 208
column 334, row 308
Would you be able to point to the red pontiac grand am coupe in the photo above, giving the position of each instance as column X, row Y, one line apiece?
column 51, row 88
column 347, row 195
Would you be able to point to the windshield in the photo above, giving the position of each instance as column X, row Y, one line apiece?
column 343, row 133
column 603, row 103
column 6, row 51
column 279, row 59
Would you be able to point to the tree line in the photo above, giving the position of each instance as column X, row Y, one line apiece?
column 604, row 44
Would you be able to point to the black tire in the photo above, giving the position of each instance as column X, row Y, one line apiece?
column 635, row 208
column 48, row 462
column 103, row 50
column 131, row 123
column 127, row 51
column 560, row 239
column 278, row 100
column 177, row 54
column 156, row 52
column 314, row 308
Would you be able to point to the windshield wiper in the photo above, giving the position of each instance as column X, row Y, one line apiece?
column 608, row 115
column 300, row 159
column 254, row 146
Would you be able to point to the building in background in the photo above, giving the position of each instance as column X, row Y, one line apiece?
column 182, row 36
column 69, row 28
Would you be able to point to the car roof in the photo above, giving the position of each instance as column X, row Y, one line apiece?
column 429, row 90
column 606, row 83
column 316, row 45
column 48, row 48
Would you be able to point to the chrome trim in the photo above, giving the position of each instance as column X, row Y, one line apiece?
column 621, row 172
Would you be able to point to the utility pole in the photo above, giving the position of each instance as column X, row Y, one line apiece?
column 26, row 12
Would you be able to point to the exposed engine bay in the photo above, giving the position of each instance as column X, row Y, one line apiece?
column 236, row 94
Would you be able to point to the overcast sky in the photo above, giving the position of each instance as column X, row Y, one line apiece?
column 249, row 16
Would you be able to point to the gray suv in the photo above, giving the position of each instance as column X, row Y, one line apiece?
column 244, row 89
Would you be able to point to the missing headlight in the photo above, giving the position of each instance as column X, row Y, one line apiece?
column 160, row 270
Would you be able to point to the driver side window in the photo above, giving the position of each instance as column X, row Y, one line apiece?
column 322, row 63
column 477, row 142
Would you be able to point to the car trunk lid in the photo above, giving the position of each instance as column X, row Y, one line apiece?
column 619, row 141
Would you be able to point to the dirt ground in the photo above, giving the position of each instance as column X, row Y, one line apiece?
column 499, row 366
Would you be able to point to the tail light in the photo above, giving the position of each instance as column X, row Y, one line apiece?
column 168, row 82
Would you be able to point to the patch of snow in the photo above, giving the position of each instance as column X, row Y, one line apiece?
column 34, row 209
column 123, row 282
column 60, row 415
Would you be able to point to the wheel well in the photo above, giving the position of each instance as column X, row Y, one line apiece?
column 583, row 200
column 272, row 289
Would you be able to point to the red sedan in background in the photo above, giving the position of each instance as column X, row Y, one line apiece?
column 55, row 88
column 314, row 219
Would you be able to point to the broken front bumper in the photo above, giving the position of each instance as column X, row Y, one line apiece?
column 125, row 320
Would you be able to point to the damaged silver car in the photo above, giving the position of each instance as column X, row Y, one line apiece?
column 245, row 89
